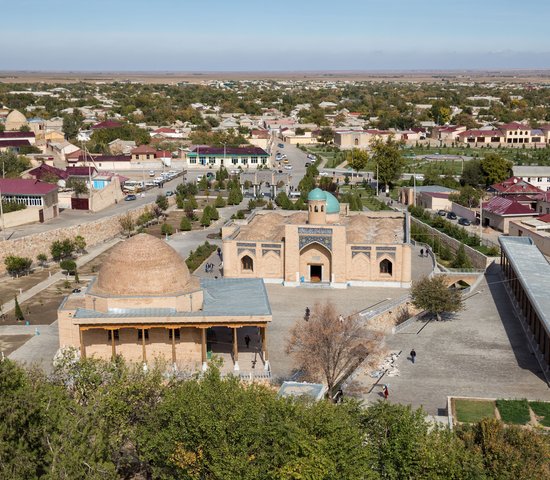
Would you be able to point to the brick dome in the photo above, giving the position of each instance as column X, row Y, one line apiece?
column 142, row 265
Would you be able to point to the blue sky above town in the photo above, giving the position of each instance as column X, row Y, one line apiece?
column 259, row 35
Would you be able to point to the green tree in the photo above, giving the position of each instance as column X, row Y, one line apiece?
column 162, row 202
column 235, row 197
column 42, row 259
column 219, row 202
column 357, row 159
column 68, row 265
column 283, row 201
column 61, row 249
column 72, row 123
column 434, row 296
column 79, row 186
column 461, row 260
column 127, row 223
column 472, row 173
column 467, row 196
column 167, row 229
column 17, row 265
column 13, row 165
column 18, row 312
column 388, row 159
column 185, row 224
column 205, row 219
column 440, row 112
column 326, row 135
column 495, row 168
column 79, row 243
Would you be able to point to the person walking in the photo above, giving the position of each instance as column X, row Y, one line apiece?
column 385, row 392
column 413, row 355
column 421, row 252
column 247, row 341
column 306, row 316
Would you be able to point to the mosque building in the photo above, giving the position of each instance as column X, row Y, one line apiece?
column 144, row 304
column 325, row 245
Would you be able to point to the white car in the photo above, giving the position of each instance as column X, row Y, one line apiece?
column 151, row 173
column 288, row 167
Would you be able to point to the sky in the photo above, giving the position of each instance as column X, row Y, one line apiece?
column 277, row 35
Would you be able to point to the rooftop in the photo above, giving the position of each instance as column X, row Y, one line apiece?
column 533, row 271
column 19, row 186
column 229, row 151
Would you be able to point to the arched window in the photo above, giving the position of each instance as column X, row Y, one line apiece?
column 386, row 267
column 316, row 208
column 356, row 141
column 322, row 208
column 247, row 263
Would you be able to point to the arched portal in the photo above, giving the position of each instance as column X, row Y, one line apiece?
column 315, row 263
column 247, row 264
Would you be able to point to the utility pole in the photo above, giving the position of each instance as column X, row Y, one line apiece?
column 2, row 215
column 481, row 220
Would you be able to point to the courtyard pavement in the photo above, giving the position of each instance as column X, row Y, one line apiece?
column 481, row 352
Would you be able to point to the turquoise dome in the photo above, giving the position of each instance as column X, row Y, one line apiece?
column 316, row 194
column 333, row 205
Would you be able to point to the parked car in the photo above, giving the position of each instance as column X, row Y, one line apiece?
column 169, row 193
column 307, row 164
column 451, row 216
column 442, row 213
column 210, row 175
column 311, row 157
column 288, row 167
column 234, row 172
column 76, row 290
column 129, row 198
column 281, row 145
column 151, row 173
column 266, row 195
column 465, row 222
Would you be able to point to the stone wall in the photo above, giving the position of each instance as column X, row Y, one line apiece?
column 94, row 233
column 478, row 259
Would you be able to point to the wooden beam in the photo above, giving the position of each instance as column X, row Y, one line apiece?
column 235, row 346
column 113, row 347
column 143, row 352
column 263, row 332
column 139, row 326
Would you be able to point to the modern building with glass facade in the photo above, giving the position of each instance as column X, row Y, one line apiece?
column 229, row 157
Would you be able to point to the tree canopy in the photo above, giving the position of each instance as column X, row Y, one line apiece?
column 388, row 159
column 434, row 295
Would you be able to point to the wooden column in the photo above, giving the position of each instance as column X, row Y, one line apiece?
column 82, row 346
column 143, row 353
column 235, row 349
column 263, row 333
column 173, row 345
column 203, row 347
column 113, row 347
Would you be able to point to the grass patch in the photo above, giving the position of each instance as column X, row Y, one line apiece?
column 542, row 410
column 472, row 411
column 514, row 411
column 195, row 258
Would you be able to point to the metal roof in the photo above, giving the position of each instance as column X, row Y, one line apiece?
column 234, row 297
column 316, row 391
column 533, row 272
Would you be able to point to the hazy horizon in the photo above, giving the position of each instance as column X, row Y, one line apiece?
column 259, row 36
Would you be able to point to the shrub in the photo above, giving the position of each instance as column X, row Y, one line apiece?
column 68, row 265
column 205, row 219
column 162, row 202
column 220, row 202
column 17, row 265
column 167, row 229
column 18, row 312
column 185, row 224
column 235, row 196
column 61, row 249
column 42, row 259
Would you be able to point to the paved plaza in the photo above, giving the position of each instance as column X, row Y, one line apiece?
column 481, row 352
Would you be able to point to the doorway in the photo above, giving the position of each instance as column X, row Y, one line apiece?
column 315, row 273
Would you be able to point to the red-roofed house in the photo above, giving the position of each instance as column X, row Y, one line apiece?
column 514, row 186
column 106, row 124
column 40, row 199
column 8, row 136
column 46, row 173
column 499, row 211
column 13, row 145
column 143, row 153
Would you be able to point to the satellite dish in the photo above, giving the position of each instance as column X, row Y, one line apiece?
column 61, row 183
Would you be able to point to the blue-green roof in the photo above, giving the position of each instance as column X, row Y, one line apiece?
column 316, row 194
column 333, row 205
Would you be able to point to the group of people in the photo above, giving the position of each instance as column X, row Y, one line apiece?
column 425, row 253
column 209, row 267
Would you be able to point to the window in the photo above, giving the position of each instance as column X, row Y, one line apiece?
column 247, row 263
column 176, row 331
column 316, row 208
column 234, row 160
column 264, row 161
column 386, row 267
column 202, row 160
column 322, row 208
column 253, row 159
column 193, row 160
column 540, row 179
column 140, row 334
column 356, row 141
column 244, row 160
column 110, row 335
column 212, row 160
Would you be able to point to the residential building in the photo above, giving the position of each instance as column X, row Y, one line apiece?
column 407, row 196
column 538, row 176
column 500, row 211
column 40, row 198
column 9, row 136
column 229, row 157
column 537, row 229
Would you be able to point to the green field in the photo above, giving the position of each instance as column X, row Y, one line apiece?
column 514, row 411
column 471, row 411
column 541, row 410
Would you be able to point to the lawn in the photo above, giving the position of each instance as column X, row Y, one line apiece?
column 541, row 410
column 471, row 411
column 514, row 411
